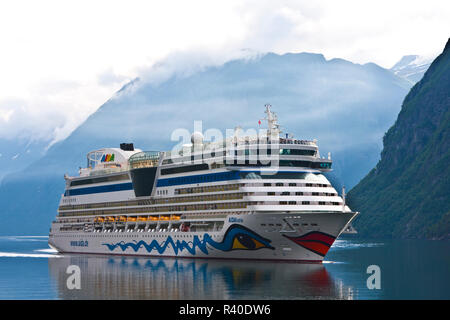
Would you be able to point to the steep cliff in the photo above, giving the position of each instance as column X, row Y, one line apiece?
column 407, row 193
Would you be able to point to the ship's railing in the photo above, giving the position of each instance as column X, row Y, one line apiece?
column 86, row 172
column 144, row 159
column 106, row 171
column 233, row 143
column 296, row 141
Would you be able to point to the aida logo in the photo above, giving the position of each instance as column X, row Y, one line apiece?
column 108, row 157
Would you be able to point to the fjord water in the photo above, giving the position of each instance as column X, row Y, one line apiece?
column 410, row 269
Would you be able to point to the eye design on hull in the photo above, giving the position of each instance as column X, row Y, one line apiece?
column 237, row 237
column 243, row 241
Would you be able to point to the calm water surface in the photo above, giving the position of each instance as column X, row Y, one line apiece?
column 410, row 269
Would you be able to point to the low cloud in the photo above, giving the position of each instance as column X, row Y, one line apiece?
column 51, row 110
column 50, row 87
column 110, row 77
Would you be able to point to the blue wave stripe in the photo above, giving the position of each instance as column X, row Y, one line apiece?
column 191, row 246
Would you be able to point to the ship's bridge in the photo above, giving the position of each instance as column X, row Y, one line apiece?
column 144, row 159
column 143, row 171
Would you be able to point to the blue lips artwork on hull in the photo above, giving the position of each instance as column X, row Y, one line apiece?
column 237, row 237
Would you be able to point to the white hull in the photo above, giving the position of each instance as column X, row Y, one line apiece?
column 302, row 236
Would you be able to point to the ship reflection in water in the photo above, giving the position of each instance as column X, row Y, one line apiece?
column 104, row 277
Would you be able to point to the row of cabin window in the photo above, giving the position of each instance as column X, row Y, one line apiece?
column 281, row 184
column 320, row 203
column 285, row 193
column 218, row 188
column 294, row 224
column 226, row 187
column 193, row 207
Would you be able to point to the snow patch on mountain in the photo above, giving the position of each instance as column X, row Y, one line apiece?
column 412, row 67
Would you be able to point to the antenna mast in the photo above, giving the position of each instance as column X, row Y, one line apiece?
column 273, row 128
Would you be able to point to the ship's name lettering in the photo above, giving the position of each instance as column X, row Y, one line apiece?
column 80, row 243
column 233, row 219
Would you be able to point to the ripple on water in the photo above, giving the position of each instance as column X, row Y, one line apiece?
column 26, row 238
column 350, row 244
column 27, row 255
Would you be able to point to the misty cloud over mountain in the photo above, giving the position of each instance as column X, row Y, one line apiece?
column 347, row 107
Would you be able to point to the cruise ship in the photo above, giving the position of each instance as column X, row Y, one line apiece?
column 261, row 196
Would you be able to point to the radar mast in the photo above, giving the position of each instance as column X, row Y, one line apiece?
column 273, row 128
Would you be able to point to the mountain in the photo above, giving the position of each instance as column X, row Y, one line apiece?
column 18, row 153
column 406, row 194
column 411, row 67
column 346, row 106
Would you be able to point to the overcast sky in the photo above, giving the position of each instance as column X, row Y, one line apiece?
column 60, row 60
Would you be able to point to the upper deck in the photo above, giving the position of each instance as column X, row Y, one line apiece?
column 266, row 149
column 265, row 152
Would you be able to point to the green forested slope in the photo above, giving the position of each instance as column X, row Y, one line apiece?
column 407, row 193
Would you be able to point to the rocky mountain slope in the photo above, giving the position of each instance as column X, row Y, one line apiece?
column 407, row 193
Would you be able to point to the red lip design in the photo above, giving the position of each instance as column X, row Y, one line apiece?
column 315, row 241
